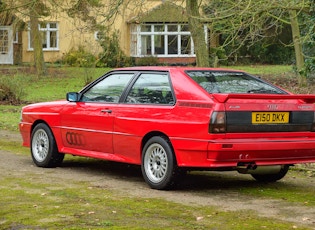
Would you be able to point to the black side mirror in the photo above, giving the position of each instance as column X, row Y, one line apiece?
column 73, row 96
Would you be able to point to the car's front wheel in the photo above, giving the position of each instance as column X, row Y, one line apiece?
column 44, row 148
column 272, row 177
column 159, row 168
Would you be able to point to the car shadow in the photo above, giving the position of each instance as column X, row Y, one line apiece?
column 107, row 168
column 211, row 180
column 192, row 181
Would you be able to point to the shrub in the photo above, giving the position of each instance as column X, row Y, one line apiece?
column 11, row 90
column 147, row 61
column 112, row 55
column 79, row 57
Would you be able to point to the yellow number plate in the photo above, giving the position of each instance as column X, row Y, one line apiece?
column 270, row 117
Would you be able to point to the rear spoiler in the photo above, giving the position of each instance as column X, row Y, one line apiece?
column 307, row 98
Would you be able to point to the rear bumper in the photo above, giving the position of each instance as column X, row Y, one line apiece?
column 235, row 152
column 262, row 151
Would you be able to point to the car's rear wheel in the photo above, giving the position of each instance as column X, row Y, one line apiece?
column 44, row 148
column 272, row 177
column 159, row 168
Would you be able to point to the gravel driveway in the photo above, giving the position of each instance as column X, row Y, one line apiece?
column 208, row 188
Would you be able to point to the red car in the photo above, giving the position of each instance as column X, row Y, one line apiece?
column 173, row 119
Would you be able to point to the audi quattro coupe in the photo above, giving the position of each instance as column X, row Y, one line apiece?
column 173, row 119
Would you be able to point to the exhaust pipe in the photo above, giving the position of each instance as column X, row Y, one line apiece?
column 252, row 168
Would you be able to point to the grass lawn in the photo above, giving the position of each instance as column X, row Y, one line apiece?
column 41, row 205
column 54, row 86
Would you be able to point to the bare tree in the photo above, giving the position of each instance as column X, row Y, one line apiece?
column 246, row 21
column 296, row 35
column 32, row 11
column 197, row 32
column 36, row 10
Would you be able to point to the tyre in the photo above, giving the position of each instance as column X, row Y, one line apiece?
column 159, row 168
column 44, row 148
column 272, row 177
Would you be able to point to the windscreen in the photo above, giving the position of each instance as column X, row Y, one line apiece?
column 232, row 82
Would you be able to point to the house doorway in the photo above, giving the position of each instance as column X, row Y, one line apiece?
column 6, row 45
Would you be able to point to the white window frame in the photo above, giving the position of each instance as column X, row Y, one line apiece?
column 48, row 30
column 137, row 34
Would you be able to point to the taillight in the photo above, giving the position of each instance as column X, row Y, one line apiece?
column 217, row 122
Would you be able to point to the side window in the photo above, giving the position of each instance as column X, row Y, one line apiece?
column 109, row 89
column 151, row 88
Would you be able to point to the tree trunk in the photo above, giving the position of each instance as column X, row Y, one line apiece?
column 197, row 33
column 37, row 45
column 300, row 65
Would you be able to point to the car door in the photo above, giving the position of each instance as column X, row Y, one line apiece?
column 88, row 123
column 146, row 107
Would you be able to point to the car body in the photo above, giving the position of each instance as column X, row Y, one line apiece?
column 173, row 119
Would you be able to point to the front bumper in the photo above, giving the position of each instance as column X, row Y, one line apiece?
column 25, row 130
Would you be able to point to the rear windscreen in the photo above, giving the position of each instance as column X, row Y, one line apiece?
column 232, row 82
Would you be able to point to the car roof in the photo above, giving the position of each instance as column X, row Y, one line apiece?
column 170, row 68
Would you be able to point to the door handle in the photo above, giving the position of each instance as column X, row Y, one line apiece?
column 106, row 111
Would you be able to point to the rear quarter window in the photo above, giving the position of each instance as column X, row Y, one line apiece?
column 151, row 88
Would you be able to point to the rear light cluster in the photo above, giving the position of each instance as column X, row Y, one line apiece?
column 217, row 122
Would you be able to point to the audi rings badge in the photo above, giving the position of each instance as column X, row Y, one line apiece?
column 75, row 139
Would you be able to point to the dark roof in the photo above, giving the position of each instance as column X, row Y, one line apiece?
column 165, row 12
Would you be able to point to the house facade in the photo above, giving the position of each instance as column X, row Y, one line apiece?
column 159, row 29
